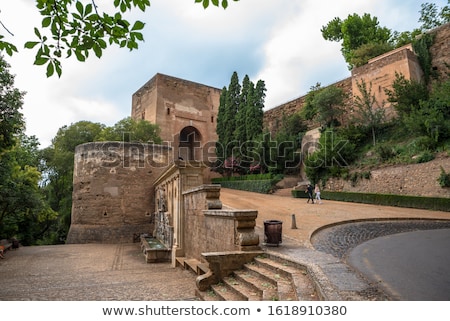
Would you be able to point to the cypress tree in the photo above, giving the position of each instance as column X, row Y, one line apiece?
column 231, row 110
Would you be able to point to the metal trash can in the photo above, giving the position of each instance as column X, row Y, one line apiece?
column 272, row 232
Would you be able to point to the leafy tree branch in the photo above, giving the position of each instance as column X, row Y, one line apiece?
column 80, row 28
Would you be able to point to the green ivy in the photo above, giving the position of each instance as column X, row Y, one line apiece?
column 421, row 47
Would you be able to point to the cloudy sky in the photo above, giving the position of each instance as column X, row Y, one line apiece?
column 278, row 41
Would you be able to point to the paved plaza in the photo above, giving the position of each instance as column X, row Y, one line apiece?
column 95, row 272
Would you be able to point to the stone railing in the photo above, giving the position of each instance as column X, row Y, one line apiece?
column 209, row 228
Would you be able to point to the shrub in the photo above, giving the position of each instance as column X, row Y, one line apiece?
column 385, row 152
column 444, row 178
column 426, row 156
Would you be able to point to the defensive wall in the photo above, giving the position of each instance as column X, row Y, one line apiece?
column 380, row 71
column 113, row 190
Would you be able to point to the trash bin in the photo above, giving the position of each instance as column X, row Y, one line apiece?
column 272, row 232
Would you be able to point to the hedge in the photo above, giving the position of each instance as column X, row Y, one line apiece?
column 420, row 202
column 259, row 186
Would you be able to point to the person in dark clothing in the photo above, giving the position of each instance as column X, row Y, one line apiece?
column 309, row 190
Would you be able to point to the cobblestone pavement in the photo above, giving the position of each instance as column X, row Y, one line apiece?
column 340, row 239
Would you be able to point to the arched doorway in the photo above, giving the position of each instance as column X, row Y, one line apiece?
column 190, row 142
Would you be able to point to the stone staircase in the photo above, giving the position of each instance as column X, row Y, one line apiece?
column 266, row 278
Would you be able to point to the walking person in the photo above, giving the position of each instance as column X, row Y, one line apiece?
column 309, row 190
column 317, row 192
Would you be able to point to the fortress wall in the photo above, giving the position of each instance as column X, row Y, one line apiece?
column 440, row 51
column 113, row 192
column 381, row 72
column 272, row 117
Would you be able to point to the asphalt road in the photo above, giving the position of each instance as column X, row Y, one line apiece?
column 411, row 266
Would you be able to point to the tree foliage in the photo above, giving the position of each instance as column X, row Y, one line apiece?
column 24, row 212
column 239, row 123
column 335, row 154
column 430, row 117
column 362, row 38
column 131, row 130
column 370, row 113
column 324, row 105
column 81, row 28
column 432, row 17
column 11, row 101
column 405, row 94
column 355, row 31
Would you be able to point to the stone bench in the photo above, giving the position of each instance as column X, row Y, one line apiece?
column 5, row 245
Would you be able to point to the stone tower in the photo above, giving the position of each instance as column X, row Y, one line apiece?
column 113, row 190
column 186, row 113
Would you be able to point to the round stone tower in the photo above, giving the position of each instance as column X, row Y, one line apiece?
column 113, row 192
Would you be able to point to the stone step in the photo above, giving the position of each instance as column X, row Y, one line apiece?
column 194, row 265
column 266, row 290
column 265, row 278
column 242, row 288
column 225, row 293
column 281, row 282
column 298, row 275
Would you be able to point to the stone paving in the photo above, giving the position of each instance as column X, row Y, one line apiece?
column 95, row 272
column 90, row 272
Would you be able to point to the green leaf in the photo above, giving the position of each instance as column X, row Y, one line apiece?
column 37, row 33
column 205, row 3
column 80, row 55
column 80, row 7
column 97, row 50
column 58, row 68
column 46, row 22
column 88, row 9
column 39, row 61
column 30, row 44
column 138, row 36
column 50, row 69
column 215, row 2
column 138, row 25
